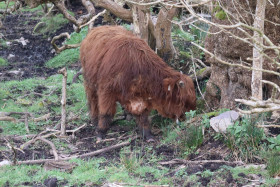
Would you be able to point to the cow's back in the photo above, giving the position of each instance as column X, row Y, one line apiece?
column 93, row 48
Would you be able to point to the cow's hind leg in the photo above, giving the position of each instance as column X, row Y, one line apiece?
column 107, row 110
column 92, row 103
column 144, row 126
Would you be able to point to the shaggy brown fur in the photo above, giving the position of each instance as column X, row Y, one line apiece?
column 119, row 66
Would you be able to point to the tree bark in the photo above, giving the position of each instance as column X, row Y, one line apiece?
column 141, row 18
column 115, row 9
column 256, row 85
column 228, row 83
column 164, row 44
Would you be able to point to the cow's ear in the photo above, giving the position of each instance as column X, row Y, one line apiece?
column 167, row 84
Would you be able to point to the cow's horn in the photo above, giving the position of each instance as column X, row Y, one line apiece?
column 181, row 84
column 169, row 88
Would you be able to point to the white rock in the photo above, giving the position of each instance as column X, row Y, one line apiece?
column 221, row 122
column 5, row 162
column 10, row 56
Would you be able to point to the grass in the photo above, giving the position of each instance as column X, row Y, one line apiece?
column 69, row 56
column 91, row 172
column 25, row 100
column 245, row 139
column 50, row 24
column 273, row 163
column 3, row 62
column 3, row 5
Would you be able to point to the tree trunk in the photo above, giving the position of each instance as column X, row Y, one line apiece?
column 164, row 44
column 141, row 18
column 256, row 86
column 229, row 83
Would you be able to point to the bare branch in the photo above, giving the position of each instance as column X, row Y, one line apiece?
column 235, row 65
column 93, row 19
column 66, row 46
column 52, row 146
column 63, row 102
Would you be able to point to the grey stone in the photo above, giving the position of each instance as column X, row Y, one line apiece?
column 221, row 122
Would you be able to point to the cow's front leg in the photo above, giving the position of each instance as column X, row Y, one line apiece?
column 104, row 122
column 144, row 126
column 107, row 110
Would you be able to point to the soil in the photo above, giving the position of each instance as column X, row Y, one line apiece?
column 28, row 60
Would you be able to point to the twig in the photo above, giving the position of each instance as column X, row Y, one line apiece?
column 268, row 126
column 180, row 161
column 66, row 46
column 63, row 101
column 75, row 130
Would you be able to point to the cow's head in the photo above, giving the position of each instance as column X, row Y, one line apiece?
column 180, row 97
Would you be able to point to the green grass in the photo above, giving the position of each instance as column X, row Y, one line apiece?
column 3, row 62
column 273, row 163
column 12, row 100
column 50, row 24
column 68, row 56
column 89, row 172
column 3, row 5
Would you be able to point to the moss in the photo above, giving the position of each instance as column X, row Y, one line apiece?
column 185, row 54
column 3, row 62
column 199, row 72
column 221, row 15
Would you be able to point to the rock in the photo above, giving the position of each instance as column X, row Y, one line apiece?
column 22, row 41
column 11, row 56
column 5, row 162
column 221, row 122
column 51, row 182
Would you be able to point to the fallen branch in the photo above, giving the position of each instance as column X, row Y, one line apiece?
column 94, row 153
column 180, row 161
column 268, row 126
column 11, row 113
column 8, row 118
column 66, row 46
column 52, row 146
column 260, row 106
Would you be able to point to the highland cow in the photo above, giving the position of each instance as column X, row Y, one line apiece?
column 120, row 67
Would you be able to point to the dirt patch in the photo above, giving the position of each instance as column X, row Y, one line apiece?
column 25, row 52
